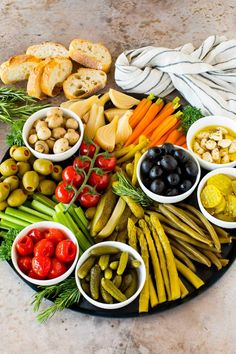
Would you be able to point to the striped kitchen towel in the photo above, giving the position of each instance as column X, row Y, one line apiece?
column 205, row 77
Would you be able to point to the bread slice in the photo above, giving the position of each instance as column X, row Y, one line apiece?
column 90, row 55
column 48, row 50
column 17, row 68
column 34, row 81
column 54, row 74
column 84, row 83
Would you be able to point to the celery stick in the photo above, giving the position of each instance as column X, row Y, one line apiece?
column 22, row 215
column 35, row 212
column 14, row 220
column 54, row 199
column 44, row 200
column 80, row 224
column 42, row 208
column 10, row 225
column 81, row 215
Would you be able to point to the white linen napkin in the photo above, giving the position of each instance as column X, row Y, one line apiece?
column 205, row 77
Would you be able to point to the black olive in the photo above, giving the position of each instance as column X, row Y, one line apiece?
column 185, row 186
column 155, row 172
column 191, row 168
column 179, row 170
column 146, row 166
column 173, row 179
column 168, row 148
column 171, row 192
column 169, row 163
column 157, row 186
column 154, row 153
column 181, row 155
column 147, row 181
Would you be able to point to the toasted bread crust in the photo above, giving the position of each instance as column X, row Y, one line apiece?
column 34, row 81
column 52, row 49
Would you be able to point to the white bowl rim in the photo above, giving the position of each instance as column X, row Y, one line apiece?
column 131, row 251
column 44, row 225
column 194, row 125
column 34, row 117
column 227, row 171
column 170, row 199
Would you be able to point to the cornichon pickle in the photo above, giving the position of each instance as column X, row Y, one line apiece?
column 85, row 287
column 122, row 263
column 108, row 299
column 101, row 250
column 114, row 265
column 117, row 280
column 127, row 280
column 110, row 287
column 104, row 261
column 134, row 263
column 108, row 273
column 85, row 267
column 95, row 279
column 133, row 286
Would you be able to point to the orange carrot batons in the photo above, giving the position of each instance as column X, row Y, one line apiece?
column 141, row 110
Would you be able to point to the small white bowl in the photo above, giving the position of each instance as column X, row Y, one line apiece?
column 164, row 199
column 205, row 122
column 226, row 171
column 52, row 157
column 41, row 226
column 141, row 271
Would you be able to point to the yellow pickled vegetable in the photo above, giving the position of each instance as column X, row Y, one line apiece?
column 211, row 196
column 222, row 182
column 106, row 135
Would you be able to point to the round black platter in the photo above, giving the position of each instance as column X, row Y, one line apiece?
column 208, row 275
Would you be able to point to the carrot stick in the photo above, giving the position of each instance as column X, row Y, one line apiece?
column 164, row 138
column 146, row 120
column 141, row 110
column 184, row 146
column 174, row 136
column 167, row 110
column 181, row 140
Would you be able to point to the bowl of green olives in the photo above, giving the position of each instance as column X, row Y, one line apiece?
column 168, row 173
column 53, row 133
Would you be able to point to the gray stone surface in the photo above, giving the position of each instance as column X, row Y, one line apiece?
column 205, row 325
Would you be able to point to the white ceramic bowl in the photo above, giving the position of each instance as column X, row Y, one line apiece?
column 204, row 123
column 141, row 274
column 164, row 199
column 227, row 171
column 41, row 226
column 52, row 157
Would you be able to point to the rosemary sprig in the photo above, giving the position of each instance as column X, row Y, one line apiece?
column 14, row 94
column 124, row 187
column 65, row 294
column 6, row 244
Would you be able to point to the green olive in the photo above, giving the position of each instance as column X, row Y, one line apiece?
column 8, row 167
column 57, row 173
column 47, row 187
column 12, row 149
column 13, row 182
column 21, row 153
column 42, row 166
column 17, row 198
column 30, row 180
column 22, row 168
column 3, row 205
column 4, row 191
column 41, row 177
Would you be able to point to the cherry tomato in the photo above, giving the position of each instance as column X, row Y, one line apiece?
column 66, row 251
column 62, row 193
column 70, row 175
column 41, row 265
column 57, row 269
column 36, row 235
column 88, row 198
column 87, row 149
column 25, row 264
column 33, row 275
column 44, row 248
column 106, row 163
column 54, row 235
column 25, row 246
column 80, row 163
column 100, row 181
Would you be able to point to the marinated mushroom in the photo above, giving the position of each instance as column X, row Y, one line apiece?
column 54, row 118
column 41, row 146
column 44, row 133
column 50, row 143
column 58, row 133
column 61, row 145
column 72, row 136
column 32, row 139
column 40, row 124
column 71, row 123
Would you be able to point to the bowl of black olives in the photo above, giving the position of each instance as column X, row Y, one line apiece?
column 168, row 173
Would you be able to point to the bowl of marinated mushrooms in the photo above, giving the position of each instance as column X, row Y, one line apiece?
column 212, row 139
column 53, row 133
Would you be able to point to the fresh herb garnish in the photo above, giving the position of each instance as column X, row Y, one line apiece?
column 6, row 245
column 190, row 115
column 63, row 294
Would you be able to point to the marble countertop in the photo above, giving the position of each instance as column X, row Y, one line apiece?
column 204, row 325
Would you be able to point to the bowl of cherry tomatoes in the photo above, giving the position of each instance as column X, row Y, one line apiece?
column 45, row 253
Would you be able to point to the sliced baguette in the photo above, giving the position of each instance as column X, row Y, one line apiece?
column 84, row 83
column 48, row 50
column 34, row 81
column 17, row 68
column 54, row 74
column 90, row 55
